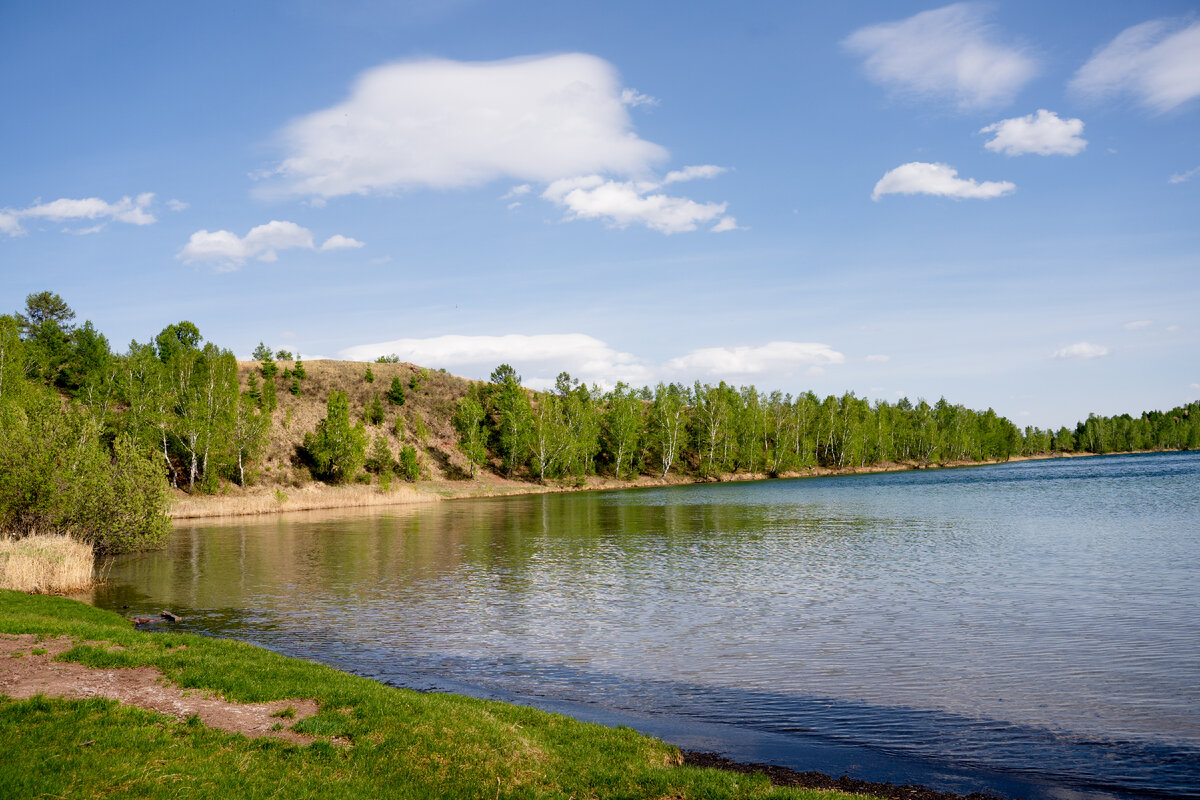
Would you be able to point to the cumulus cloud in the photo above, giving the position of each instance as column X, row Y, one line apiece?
column 947, row 52
column 443, row 124
column 1156, row 62
column 1081, row 350
column 1043, row 133
column 918, row 177
column 339, row 242
column 228, row 251
column 775, row 357
column 539, row 358
column 134, row 211
column 621, row 203
column 1178, row 177
column 1138, row 325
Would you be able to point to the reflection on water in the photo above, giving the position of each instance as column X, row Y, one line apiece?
column 1028, row 617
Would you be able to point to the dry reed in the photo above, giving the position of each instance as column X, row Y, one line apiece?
column 308, row 498
column 46, row 564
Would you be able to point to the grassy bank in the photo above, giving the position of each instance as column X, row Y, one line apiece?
column 46, row 564
column 369, row 740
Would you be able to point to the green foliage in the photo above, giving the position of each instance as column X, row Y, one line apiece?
column 336, row 448
column 270, row 399
column 469, row 418
column 395, row 393
column 253, row 387
column 298, row 370
column 283, row 355
column 294, row 388
column 261, row 353
column 391, row 358
column 379, row 458
column 419, row 428
column 42, row 307
column 373, row 414
column 410, row 465
column 369, row 377
column 58, row 476
column 509, row 407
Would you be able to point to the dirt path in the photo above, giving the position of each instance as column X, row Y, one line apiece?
column 28, row 668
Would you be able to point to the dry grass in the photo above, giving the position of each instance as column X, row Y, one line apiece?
column 433, row 402
column 46, row 564
column 306, row 498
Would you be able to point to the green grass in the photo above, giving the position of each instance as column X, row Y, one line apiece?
column 403, row 744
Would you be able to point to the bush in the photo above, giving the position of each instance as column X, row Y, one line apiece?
column 369, row 377
column 337, row 449
column 395, row 393
column 410, row 466
column 57, row 476
column 373, row 413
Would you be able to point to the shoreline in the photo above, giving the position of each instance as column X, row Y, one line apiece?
column 275, row 500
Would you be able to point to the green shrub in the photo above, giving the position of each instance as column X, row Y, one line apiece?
column 373, row 413
column 298, row 370
column 369, row 377
column 395, row 393
column 295, row 387
column 410, row 466
column 336, row 448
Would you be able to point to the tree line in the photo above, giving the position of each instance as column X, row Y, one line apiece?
column 92, row 440
column 707, row 431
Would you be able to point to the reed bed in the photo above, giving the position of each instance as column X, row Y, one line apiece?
column 308, row 498
column 46, row 564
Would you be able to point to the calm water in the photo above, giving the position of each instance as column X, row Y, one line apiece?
column 1030, row 628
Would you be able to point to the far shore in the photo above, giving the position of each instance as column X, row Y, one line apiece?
column 235, row 502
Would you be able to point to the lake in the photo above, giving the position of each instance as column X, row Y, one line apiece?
column 1032, row 629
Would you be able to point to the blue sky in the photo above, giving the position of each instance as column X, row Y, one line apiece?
column 992, row 202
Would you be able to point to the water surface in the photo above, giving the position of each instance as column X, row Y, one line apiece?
column 1032, row 628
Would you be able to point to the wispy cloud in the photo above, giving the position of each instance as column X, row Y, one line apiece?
column 1156, row 62
column 134, row 211
column 1043, row 134
column 227, row 251
column 1182, row 177
column 918, row 177
column 950, row 52
column 1083, row 350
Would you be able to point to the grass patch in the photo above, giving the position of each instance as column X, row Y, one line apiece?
column 47, row 564
column 402, row 744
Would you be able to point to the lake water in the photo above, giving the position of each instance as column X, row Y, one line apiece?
column 1032, row 629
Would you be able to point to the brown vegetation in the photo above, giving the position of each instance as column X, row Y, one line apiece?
column 46, row 564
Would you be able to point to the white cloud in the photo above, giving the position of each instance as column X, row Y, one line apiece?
column 878, row 358
column 774, row 357
column 517, row 191
column 621, row 203
column 699, row 171
column 538, row 358
column 1043, row 133
column 918, row 177
column 946, row 52
column 134, row 211
column 1081, row 350
column 1138, row 325
column 177, row 205
column 339, row 242
column 1157, row 62
column 438, row 123
column 633, row 98
column 1178, row 177
column 228, row 251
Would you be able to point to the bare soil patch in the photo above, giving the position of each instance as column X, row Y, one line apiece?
column 25, row 673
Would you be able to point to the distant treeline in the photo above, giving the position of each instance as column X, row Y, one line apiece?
column 91, row 440
column 709, row 431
